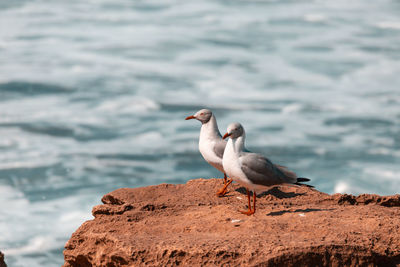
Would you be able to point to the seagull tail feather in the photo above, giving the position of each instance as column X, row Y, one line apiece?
column 301, row 179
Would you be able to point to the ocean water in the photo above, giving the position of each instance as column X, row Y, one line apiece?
column 93, row 96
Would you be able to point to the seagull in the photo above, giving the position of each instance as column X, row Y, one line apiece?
column 211, row 144
column 252, row 170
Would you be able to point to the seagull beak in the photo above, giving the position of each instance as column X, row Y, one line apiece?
column 190, row 117
column 226, row 135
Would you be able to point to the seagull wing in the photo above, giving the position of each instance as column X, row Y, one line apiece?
column 219, row 148
column 286, row 171
column 260, row 170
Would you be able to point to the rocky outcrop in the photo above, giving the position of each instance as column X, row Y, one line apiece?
column 2, row 263
column 187, row 224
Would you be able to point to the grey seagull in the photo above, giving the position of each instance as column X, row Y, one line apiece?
column 211, row 144
column 252, row 170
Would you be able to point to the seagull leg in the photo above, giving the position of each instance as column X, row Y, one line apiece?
column 250, row 211
column 254, row 201
column 224, row 189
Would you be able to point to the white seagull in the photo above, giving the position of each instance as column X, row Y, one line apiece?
column 211, row 144
column 252, row 170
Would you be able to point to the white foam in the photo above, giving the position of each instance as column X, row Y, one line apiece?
column 380, row 151
column 40, row 226
column 148, row 138
column 385, row 141
column 24, row 164
column 320, row 151
column 389, row 25
column 78, row 68
column 14, row 198
column 314, row 17
column 128, row 105
column 73, row 216
column 292, row 108
column 342, row 187
column 36, row 244
column 383, row 173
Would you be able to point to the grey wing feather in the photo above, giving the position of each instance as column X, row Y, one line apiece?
column 286, row 171
column 262, row 171
column 219, row 148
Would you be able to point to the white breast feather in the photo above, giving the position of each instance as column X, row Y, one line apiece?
column 232, row 166
column 206, row 147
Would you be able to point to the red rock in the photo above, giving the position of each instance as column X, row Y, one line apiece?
column 2, row 263
column 188, row 225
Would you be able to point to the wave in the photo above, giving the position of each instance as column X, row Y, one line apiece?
column 30, row 88
column 363, row 122
column 220, row 109
column 395, row 25
column 132, row 157
column 81, row 132
column 128, row 105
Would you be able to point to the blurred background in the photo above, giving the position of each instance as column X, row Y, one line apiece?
column 93, row 96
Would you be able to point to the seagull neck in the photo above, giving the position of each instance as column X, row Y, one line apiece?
column 238, row 143
column 210, row 128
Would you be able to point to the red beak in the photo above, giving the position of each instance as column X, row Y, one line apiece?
column 190, row 117
column 226, row 135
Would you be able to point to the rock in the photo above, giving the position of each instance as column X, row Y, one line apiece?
column 2, row 263
column 187, row 224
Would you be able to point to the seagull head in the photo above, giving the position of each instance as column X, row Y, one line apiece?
column 203, row 115
column 234, row 130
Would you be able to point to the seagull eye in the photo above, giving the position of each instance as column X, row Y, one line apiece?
column 202, row 113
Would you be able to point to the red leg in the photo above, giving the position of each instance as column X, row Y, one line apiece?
column 248, row 198
column 254, row 201
column 225, row 178
column 250, row 211
column 224, row 189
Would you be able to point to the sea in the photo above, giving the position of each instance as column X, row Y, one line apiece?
column 94, row 93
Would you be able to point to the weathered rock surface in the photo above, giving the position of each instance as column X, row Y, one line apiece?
column 2, row 263
column 187, row 224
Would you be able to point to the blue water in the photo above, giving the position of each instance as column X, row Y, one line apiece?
column 93, row 96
